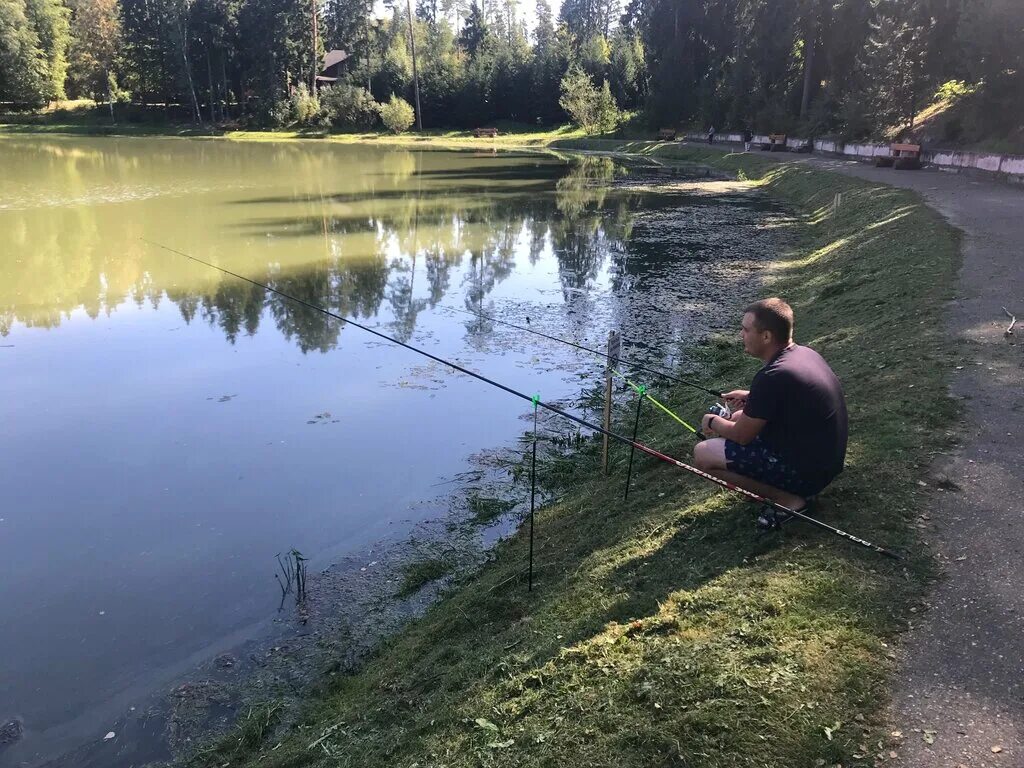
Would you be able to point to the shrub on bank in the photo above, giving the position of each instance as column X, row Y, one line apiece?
column 592, row 108
column 397, row 114
column 304, row 107
column 349, row 108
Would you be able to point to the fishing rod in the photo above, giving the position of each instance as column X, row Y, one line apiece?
column 533, row 399
column 634, row 366
column 642, row 392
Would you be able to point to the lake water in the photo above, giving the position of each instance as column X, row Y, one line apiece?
column 168, row 429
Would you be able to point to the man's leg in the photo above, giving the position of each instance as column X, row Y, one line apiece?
column 709, row 456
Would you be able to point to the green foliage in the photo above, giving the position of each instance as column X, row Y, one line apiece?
column 586, row 18
column 442, row 72
column 474, row 30
column 590, row 107
column 953, row 90
column 894, row 63
column 627, row 69
column 595, row 56
column 34, row 37
column 852, row 68
column 50, row 20
column 304, row 107
column 348, row 107
column 21, row 79
column 397, row 114
column 96, row 40
column 394, row 64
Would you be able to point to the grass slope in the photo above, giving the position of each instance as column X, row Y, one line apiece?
column 662, row 631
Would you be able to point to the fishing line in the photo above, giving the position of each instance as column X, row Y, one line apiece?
column 552, row 408
column 635, row 366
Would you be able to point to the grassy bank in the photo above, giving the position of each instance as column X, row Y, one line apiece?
column 662, row 631
column 511, row 135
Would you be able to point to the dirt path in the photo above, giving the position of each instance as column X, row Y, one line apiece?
column 960, row 696
column 959, row 699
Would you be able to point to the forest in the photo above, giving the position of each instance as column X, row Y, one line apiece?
column 846, row 68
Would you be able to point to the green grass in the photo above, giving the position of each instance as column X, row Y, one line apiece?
column 487, row 509
column 511, row 134
column 663, row 631
column 419, row 573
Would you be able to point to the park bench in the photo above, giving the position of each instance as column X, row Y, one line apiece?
column 667, row 134
column 481, row 133
column 776, row 143
column 902, row 157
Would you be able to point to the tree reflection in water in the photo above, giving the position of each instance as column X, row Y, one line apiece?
column 352, row 252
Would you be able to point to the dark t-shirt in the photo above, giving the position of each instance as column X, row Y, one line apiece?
column 803, row 403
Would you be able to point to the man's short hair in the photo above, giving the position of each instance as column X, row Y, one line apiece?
column 773, row 315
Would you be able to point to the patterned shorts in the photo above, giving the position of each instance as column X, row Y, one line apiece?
column 756, row 461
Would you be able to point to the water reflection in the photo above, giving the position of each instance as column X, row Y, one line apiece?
column 350, row 249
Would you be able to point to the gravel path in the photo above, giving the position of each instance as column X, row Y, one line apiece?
column 958, row 701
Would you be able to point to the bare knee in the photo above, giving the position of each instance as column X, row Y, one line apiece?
column 709, row 454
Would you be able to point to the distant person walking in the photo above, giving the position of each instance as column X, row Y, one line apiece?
column 748, row 138
column 711, row 135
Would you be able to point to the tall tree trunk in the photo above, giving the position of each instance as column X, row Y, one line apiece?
column 110, row 97
column 209, row 90
column 415, row 71
column 196, row 116
column 315, row 58
column 224, row 110
column 810, row 45
column 366, row 32
column 366, row 24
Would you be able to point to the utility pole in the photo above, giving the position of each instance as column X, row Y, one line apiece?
column 316, row 59
column 415, row 71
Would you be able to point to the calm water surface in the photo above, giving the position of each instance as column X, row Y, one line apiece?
column 168, row 429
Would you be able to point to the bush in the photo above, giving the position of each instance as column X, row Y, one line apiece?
column 304, row 106
column 397, row 115
column 592, row 108
column 349, row 108
column 953, row 90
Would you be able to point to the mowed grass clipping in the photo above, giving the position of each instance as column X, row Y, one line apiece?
column 663, row 631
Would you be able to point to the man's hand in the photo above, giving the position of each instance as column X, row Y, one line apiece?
column 736, row 399
column 705, row 425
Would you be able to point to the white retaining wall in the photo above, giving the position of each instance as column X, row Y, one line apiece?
column 1010, row 165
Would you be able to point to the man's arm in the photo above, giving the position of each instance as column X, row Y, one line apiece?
column 742, row 430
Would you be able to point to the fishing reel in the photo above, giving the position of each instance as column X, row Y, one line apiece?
column 718, row 409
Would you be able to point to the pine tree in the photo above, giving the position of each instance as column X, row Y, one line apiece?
column 474, row 30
